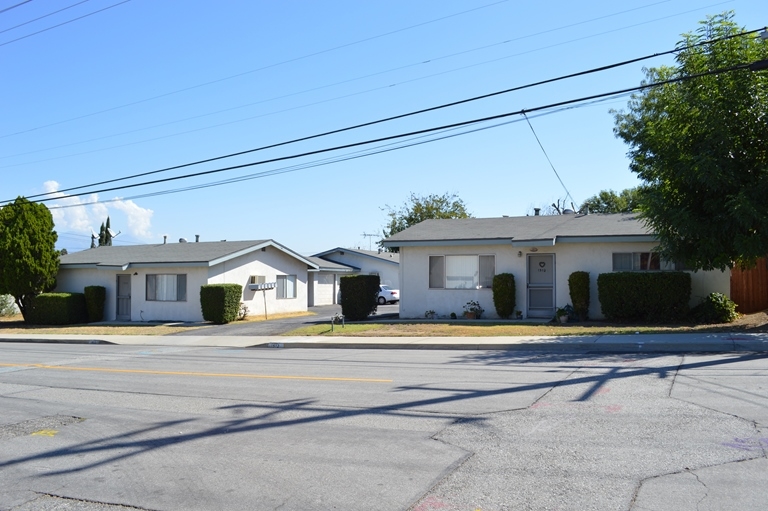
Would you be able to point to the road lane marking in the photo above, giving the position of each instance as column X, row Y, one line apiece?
column 192, row 373
column 45, row 432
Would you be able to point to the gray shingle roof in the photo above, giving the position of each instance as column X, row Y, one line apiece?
column 203, row 253
column 390, row 257
column 324, row 264
column 523, row 229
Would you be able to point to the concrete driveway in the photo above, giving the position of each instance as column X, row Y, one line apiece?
column 280, row 326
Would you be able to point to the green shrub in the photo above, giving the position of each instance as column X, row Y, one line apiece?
column 358, row 296
column 652, row 297
column 220, row 303
column 715, row 308
column 578, row 285
column 57, row 309
column 504, row 294
column 95, row 296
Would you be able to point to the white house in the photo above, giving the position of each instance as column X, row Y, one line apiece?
column 446, row 263
column 323, row 282
column 162, row 282
column 367, row 262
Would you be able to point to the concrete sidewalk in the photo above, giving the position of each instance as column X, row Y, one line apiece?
column 639, row 343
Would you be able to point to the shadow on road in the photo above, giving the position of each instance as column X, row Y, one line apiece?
column 126, row 445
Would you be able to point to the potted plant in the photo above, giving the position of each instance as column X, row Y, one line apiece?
column 562, row 314
column 518, row 314
column 472, row 309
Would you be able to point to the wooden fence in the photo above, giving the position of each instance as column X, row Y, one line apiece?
column 749, row 288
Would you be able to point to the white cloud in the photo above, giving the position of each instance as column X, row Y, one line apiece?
column 138, row 218
column 82, row 217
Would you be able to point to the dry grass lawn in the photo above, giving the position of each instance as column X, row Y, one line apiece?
column 15, row 325
column 757, row 322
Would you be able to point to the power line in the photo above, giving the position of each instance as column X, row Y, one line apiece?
column 567, row 193
column 391, row 118
column 41, row 17
column 752, row 66
column 64, row 23
column 313, row 89
column 14, row 6
column 330, row 99
column 269, row 66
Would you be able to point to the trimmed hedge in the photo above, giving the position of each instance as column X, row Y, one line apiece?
column 715, row 308
column 95, row 296
column 57, row 309
column 504, row 294
column 358, row 296
column 220, row 302
column 653, row 297
column 578, row 285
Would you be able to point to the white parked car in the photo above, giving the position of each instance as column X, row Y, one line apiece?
column 388, row 295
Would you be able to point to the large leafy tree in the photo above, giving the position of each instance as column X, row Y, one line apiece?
column 700, row 145
column 419, row 208
column 29, row 261
column 608, row 201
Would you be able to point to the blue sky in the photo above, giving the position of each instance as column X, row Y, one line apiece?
column 143, row 85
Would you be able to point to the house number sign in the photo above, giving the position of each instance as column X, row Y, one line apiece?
column 542, row 267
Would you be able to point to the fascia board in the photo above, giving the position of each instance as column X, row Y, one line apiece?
column 446, row 243
column 545, row 242
column 94, row 266
column 625, row 238
column 168, row 265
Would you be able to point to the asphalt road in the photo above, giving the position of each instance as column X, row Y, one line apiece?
column 99, row 427
column 320, row 314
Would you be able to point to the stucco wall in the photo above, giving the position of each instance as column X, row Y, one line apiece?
column 324, row 288
column 595, row 258
column 270, row 263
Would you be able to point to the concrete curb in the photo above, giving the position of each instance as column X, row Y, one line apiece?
column 60, row 341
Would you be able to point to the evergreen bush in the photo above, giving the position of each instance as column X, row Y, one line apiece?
column 653, row 297
column 220, row 303
column 715, row 308
column 358, row 296
column 57, row 309
column 578, row 285
column 504, row 299
column 95, row 296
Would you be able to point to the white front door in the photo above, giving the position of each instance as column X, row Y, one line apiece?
column 541, row 285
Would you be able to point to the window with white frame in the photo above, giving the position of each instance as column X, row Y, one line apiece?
column 461, row 271
column 642, row 261
column 286, row 286
column 167, row 288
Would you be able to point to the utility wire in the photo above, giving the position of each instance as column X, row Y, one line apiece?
column 64, row 23
column 321, row 87
column 752, row 66
column 317, row 163
column 567, row 193
column 41, row 17
column 14, row 6
column 269, row 66
column 400, row 116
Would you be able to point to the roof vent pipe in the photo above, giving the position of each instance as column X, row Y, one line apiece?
column 165, row 239
column 536, row 211
column 197, row 238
